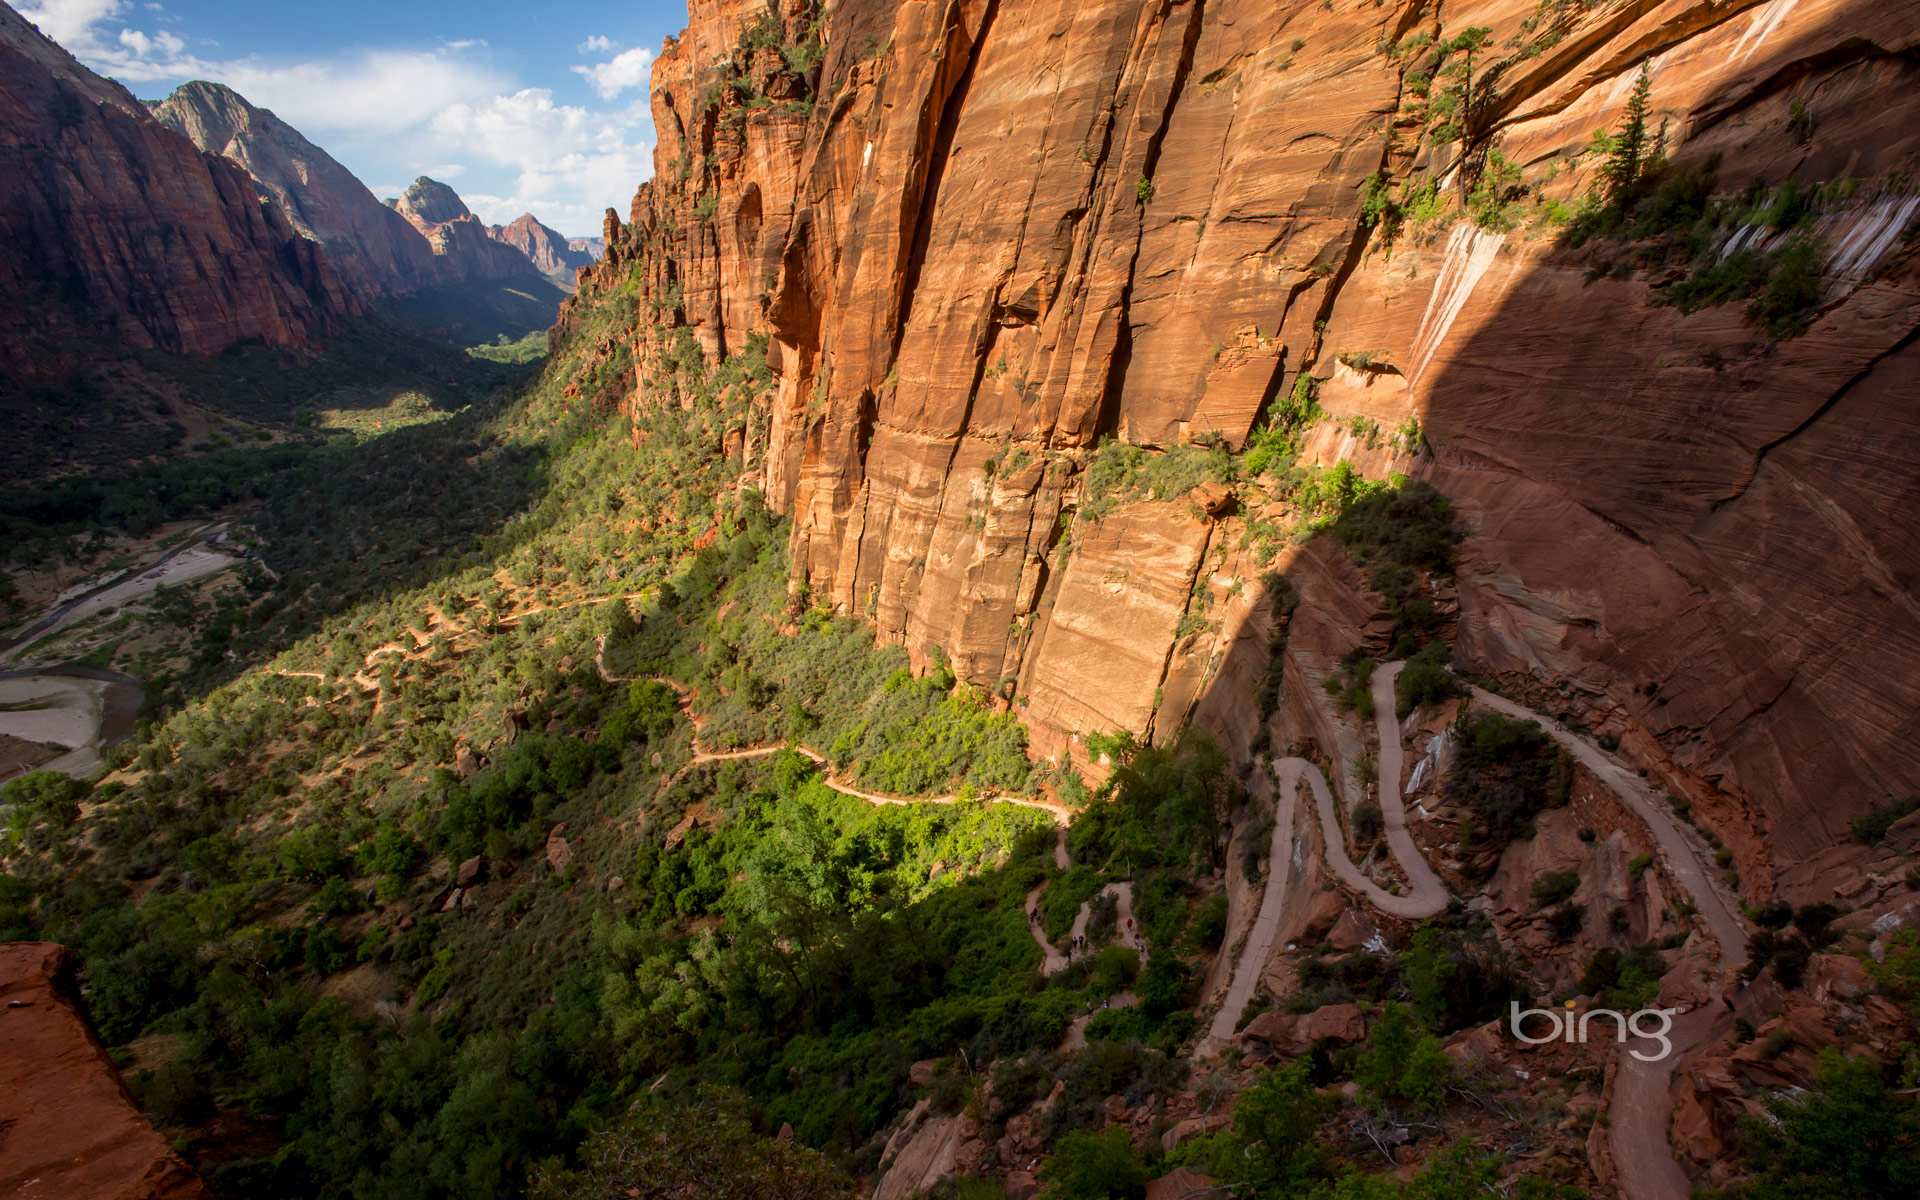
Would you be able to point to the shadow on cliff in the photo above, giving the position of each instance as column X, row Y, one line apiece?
column 1690, row 531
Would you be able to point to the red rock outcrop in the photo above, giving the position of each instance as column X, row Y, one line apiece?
column 68, row 1129
column 375, row 251
column 983, row 236
column 113, row 225
column 551, row 254
column 462, row 246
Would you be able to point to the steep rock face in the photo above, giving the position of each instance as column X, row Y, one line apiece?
column 375, row 251
column 983, row 235
column 113, row 225
column 551, row 254
column 463, row 248
column 68, row 1129
column 594, row 248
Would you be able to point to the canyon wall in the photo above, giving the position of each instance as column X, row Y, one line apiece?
column 375, row 251
column 112, row 225
column 984, row 235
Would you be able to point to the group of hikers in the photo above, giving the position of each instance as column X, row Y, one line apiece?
column 1078, row 942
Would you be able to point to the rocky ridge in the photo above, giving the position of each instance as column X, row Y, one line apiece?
column 375, row 250
column 462, row 244
column 984, row 237
column 112, row 225
column 551, row 255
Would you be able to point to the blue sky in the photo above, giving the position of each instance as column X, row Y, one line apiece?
column 522, row 107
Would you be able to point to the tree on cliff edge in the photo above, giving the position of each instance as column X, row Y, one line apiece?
column 1628, row 159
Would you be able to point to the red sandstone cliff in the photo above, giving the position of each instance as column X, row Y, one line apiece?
column 113, row 225
column 551, row 254
column 68, row 1129
column 374, row 249
column 980, row 228
column 464, row 249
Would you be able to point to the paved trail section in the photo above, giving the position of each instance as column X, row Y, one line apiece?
column 1426, row 895
column 1266, row 924
column 1642, row 1108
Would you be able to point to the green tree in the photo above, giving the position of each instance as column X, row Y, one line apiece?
column 1095, row 1166
column 1403, row 1064
column 705, row 1148
column 1274, row 1120
column 1627, row 160
column 1846, row 1138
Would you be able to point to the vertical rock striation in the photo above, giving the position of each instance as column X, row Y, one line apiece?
column 981, row 236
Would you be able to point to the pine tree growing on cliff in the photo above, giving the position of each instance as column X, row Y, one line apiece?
column 1627, row 160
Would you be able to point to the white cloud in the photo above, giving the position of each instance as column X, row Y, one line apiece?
column 628, row 69
column 69, row 22
column 163, row 43
column 444, row 111
column 597, row 44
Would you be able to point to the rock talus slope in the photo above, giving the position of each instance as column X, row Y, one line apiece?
column 983, row 235
column 113, row 225
column 68, row 1129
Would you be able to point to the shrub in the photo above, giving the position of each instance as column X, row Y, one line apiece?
column 1402, row 1064
column 1425, row 679
column 1090, row 1166
column 1555, row 887
column 1872, row 829
column 1505, row 772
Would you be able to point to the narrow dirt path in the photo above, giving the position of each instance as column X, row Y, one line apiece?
column 1642, row 1107
column 1266, row 924
column 1052, row 960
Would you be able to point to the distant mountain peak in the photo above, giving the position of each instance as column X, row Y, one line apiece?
column 433, row 202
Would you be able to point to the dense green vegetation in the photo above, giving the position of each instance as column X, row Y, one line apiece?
column 443, row 589
column 1505, row 771
column 123, row 407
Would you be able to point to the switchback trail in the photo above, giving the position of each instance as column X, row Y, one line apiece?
column 684, row 698
column 1642, row 1107
column 1258, row 947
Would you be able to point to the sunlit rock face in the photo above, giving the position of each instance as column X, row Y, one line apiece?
column 983, row 237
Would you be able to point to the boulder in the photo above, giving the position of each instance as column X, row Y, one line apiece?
column 1192, row 1127
column 1273, row 1027
column 1021, row 1185
column 1181, row 1184
column 1351, row 931
column 1341, row 1024
column 1322, row 915
column 1214, row 499
column 920, row 1074
column 559, row 852
column 471, row 871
